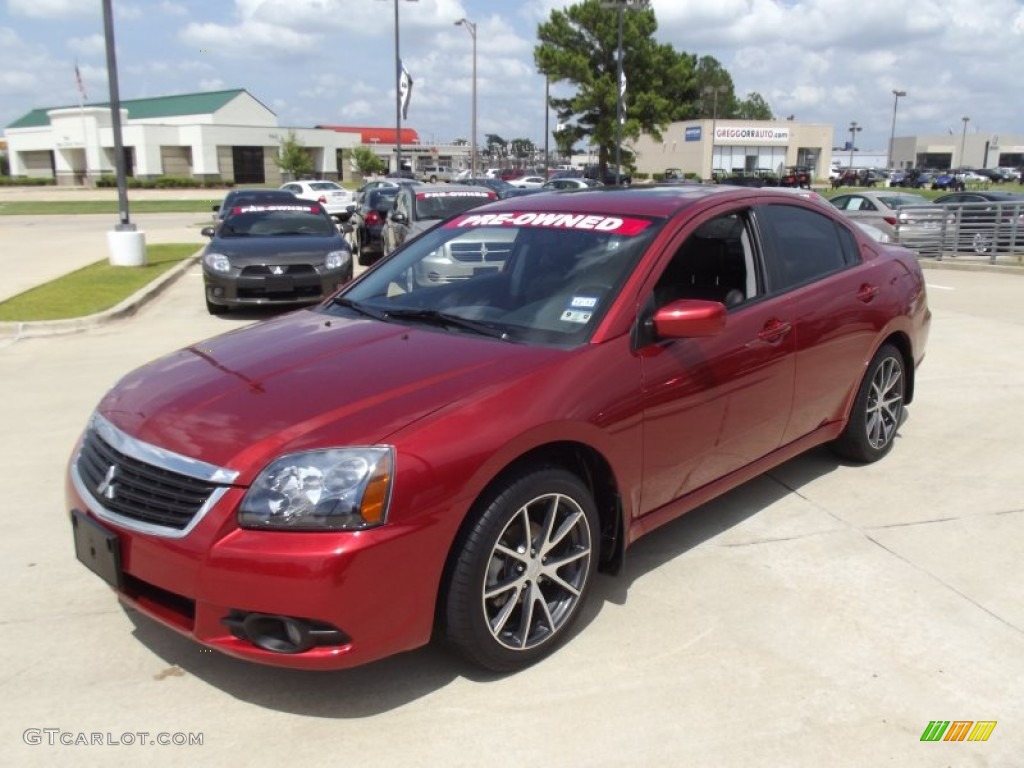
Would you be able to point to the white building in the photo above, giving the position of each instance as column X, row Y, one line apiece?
column 214, row 136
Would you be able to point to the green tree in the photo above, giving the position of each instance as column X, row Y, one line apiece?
column 497, row 147
column 754, row 107
column 579, row 46
column 366, row 162
column 293, row 157
column 522, row 148
column 566, row 137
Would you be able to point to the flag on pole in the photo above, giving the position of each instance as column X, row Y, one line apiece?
column 622, row 96
column 81, row 85
column 404, row 89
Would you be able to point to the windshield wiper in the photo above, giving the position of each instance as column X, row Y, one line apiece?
column 362, row 309
column 446, row 320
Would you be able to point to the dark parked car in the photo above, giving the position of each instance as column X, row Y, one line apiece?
column 611, row 177
column 239, row 197
column 459, row 460
column 273, row 254
column 418, row 209
column 948, row 180
column 367, row 224
column 986, row 221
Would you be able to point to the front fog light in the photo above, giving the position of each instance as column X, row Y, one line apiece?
column 338, row 489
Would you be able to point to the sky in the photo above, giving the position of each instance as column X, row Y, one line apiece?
column 317, row 62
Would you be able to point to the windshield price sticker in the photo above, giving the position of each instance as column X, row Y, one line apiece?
column 261, row 208
column 470, row 193
column 580, row 221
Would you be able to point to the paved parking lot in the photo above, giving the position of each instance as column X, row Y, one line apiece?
column 819, row 616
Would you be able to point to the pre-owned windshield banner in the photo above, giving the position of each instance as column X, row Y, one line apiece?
column 618, row 225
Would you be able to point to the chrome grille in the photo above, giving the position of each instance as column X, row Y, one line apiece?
column 139, row 490
column 486, row 252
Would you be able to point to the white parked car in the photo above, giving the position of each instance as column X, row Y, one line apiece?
column 332, row 196
column 528, row 182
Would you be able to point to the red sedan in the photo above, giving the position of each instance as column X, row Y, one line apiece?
column 458, row 454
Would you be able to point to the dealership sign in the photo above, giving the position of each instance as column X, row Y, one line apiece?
column 745, row 134
column 693, row 133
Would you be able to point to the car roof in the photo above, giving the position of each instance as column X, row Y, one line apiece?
column 656, row 201
column 993, row 196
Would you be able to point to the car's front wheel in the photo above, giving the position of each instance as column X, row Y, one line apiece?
column 982, row 242
column 877, row 410
column 523, row 571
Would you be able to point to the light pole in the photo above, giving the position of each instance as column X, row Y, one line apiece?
column 892, row 134
column 714, row 90
column 963, row 139
column 471, row 28
column 620, row 106
column 398, row 94
column 854, row 128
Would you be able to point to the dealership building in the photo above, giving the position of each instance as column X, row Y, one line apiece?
column 212, row 136
column 956, row 150
column 736, row 146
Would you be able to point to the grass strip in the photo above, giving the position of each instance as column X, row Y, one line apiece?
column 73, row 207
column 94, row 288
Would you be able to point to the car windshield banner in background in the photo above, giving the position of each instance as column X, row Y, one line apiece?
column 597, row 223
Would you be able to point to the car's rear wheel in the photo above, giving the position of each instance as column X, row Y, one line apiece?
column 433, row 179
column 523, row 571
column 877, row 410
column 982, row 242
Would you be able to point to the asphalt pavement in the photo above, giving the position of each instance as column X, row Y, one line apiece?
column 821, row 615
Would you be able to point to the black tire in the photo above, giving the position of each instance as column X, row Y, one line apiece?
column 877, row 410
column 523, row 570
column 216, row 309
column 433, row 179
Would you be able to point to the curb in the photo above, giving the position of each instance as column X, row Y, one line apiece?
column 17, row 330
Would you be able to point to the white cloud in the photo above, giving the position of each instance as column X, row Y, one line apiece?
column 47, row 9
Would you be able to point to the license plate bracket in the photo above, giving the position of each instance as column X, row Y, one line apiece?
column 98, row 548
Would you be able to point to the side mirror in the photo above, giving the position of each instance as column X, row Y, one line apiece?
column 207, row 231
column 689, row 318
column 398, row 218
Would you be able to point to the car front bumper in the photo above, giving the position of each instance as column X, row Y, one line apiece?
column 236, row 290
column 363, row 595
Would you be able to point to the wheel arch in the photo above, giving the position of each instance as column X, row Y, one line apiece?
column 901, row 341
column 580, row 459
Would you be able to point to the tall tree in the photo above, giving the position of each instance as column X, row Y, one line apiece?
column 293, row 157
column 754, row 107
column 366, row 161
column 522, row 148
column 579, row 46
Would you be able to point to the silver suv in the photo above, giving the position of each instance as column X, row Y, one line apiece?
column 436, row 173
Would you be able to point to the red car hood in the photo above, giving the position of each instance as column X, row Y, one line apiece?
column 306, row 380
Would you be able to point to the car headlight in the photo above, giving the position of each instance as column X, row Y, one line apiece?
column 218, row 262
column 336, row 489
column 336, row 259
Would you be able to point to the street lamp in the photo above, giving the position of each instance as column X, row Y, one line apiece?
column 398, row 93
column 620, row 107
column 714, row 90
column 854, row 128
column 963, row 139
column 892, row 135
column 471, row 28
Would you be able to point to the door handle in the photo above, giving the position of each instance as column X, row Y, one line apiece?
column 867, row 292
column 774, row 331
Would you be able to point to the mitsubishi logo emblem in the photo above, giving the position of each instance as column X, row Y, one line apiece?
column 106, row 487
column 277, row 270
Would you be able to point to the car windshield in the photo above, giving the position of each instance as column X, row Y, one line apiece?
column 441, row 205
column 382, row 199
column 529, row 276
column 321, row 186
column 895, row 201
column 276, row 220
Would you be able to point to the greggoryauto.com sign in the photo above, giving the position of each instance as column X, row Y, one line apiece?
column 745, row 134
